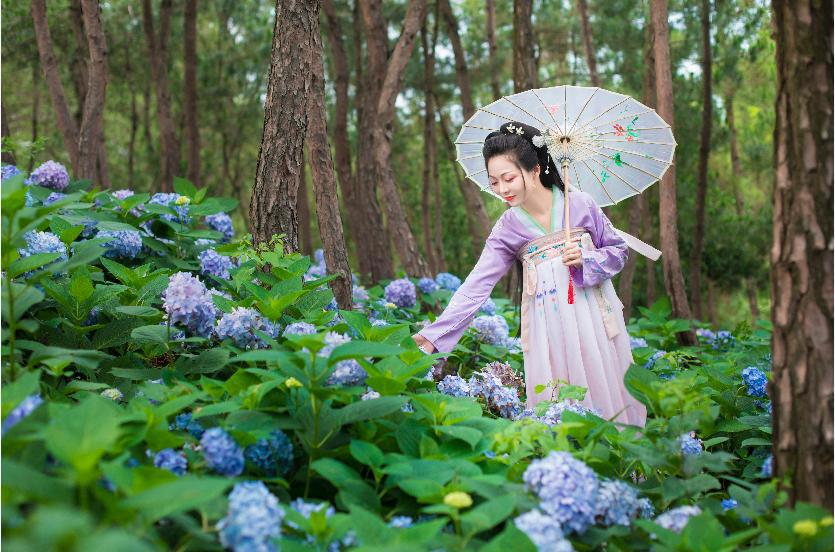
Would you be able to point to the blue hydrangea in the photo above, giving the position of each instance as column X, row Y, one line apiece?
column 347, row 372
column 448, row 281
column 253, row 519
column 553, row 415
column 690, row 445
column 184, row 422
column 22, row 410
column 171, row 460
column 9, row 171
column 729, row 504
column 187, row 302
column 484, row 385
column 121, row 195
column 506, row 403
column 319, row 256
column 635, row 342
column 53, row 197
column 375, row 323
column 51, row 175
column 545, row 531
column 402, row 293
column 488, row 307
column 123, row 244
column 299, row 328
column 766, row 468
column 655, row 356
column 427, row 285
column 645, row 508
column 221, row 222
column 241, row 324
column 401, row 522
column 491, row 329
column 305, row 509
column 170, row 200
column 677, row 518
column 369, row 394
column 617, row 503
column 221, row 452
column 43, row 242
column 567, row 489
column 706, row 334
column 756, row 381
column 454, row 386
column 272, row 455
column 723, row 340
column 214, row 264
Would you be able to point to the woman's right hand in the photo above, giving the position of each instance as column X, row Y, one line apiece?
column 424, row 344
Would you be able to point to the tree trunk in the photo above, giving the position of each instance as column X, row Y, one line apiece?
column 704, row 156
column 524, row 63
column 78, row 63
column 134, row 118
column 673, row 278
column 91, row 161
column 649, row 232
column 273, row 207
column 428, row 148
column 7, row 157
column 711, row 303
column 302, row 207
column 36, row 110
column 588, row 44
column 801, row 254
column 324, row 185
column 158, row 59
column 492, row 48
column 190, row 107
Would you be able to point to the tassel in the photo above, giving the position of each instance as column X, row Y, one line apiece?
column 570, row 288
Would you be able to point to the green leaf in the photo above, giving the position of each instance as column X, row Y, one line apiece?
column 122, row 273
column 186, row 493
column 138, row 310
column 115, row 334
column 366, row 453
column 184, row 187
column 756, row 441
column 422, row 489
column 362, row 349
column 368, row 410
column 488, row 515
column 467, row 434
column 213, row 409
column 23, row 297
column 335, row 471
column 31, row 262
column 207, row 362
column 154, row 334
column 33, row 484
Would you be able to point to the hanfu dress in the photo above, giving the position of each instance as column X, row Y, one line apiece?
column 584, row 343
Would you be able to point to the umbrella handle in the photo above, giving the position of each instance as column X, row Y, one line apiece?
column 564, row 163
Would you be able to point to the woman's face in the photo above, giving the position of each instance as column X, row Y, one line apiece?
column 506, row 179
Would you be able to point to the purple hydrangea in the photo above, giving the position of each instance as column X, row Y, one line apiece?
column 359, row 294
column 51, row 175
column 123, row 244
column 506, row 402
column 214, row 264
column 8, row 171
column 221, row 452
column 545, row 531
column 635, row 342
column 221, row 222
column 43, row 242
column 170, row 200
column 241, row 324
column 690, row 445
column 22, row 410
column 253, row 519
column 272, row 455
column 299, row 328
column 677, row 518
column 756, row 381
column 319, row 256
column 187, row 301
column 402, row 293
column 171, row 460
column 484, row 385
column 121, row 195
column 427, row 285
column 491, row 329
column 567, row 489
column 488, row 307
column 723, row 340
column 53, row 197
column 617, row 503
column 706, row 333
column 454, row 386
column 448, row 281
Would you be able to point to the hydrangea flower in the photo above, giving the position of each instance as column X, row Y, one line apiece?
column 253, row 519
column 401, row 292
column 113, row 394
column 43, row 242
column 123, row 244
column 319, row 256
column 729, row 504
column 305, row 509
column 553, row 415
column 706, row 333
column 766, row 469
column 220, row 222
column 448, row 281
column 214, row 264
column 172, row 200
column 347, row 372
column 567, row 489
column 544, row 531
column 272, row 455
column 454, row 386
column 299, row 328
column 488, row 307
column 51, row 175
column 645, row 508
column 427, row 285
column 121, row 195
column 677, row 518
column 491, row 329
column 9, row 171
column 359, row 294
column 756, row 381
column 26, row 407
column 723, row 340
column 690, row 445
column 241, row 324
column 401, row 522
column 187, row 301
column 505, row 400
column 655, row 356
column 184, row 422
column 505, row 372
column 617, row 503
column 635, row 342
column 53, row 197
column 222, row 453
column 171, row 460
column 376, row 323
column 370, row 394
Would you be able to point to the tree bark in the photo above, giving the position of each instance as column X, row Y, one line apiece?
column 6, row 156
column 190, row 107
column 36, row 110
column 668, row 214
column 428, row 148
column 158, row 58
column 492, row 49
column 90, row 142
column 524, row 63
column 801, row 253
column 273, row 207
column 588, row 43
column 324, row 184
column 305, row 235
column 704, row 156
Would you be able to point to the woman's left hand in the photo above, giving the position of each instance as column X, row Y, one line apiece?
column 571, row 255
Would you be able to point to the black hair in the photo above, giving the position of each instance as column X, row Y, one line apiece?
column 519, row 147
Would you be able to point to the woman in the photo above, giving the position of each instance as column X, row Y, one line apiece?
column 584, row 343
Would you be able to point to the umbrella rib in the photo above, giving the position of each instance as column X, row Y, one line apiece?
column 495, row 114
column 643, row 142
column 605, row 111
column 644, row 128
column 576, row 177
column 619, row 177
column 629, row 165
column 610, row 121
column 556, row 124
column 526, row 111
column 625, row 151
column 479, row 127
column 602, row 185
column 585, row 105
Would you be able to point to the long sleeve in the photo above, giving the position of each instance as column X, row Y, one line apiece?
column 495, row 259
column 610, row 256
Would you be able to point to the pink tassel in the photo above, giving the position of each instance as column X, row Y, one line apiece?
column 570, row 288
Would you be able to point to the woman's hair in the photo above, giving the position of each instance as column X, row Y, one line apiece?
column 522, row 153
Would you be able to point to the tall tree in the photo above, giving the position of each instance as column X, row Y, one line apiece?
column 158, row 60
column 324, row 184
column 588, row 43
column 667, row 210
column 273, row 207
column 524, row 55
column 704, row 156
column 302, row 207
column 801, row 254
column 492, row 49
column 429, row 161
column 190, row 99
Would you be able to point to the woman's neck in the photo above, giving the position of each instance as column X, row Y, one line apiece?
column 538, row 201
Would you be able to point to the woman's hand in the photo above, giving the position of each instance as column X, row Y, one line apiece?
column 424, row 344
column 571, row 255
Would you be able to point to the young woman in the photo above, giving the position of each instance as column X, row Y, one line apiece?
column 584, row 343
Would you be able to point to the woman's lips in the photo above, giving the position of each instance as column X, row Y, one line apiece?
column 509, row 198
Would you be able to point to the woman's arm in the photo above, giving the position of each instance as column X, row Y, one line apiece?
column 497, row 256
column 610, row 256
